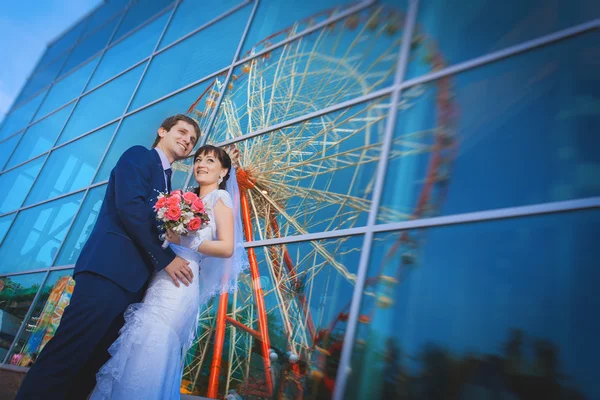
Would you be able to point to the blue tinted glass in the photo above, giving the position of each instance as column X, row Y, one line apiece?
column 490, row 303
column 139, row 13
column 6, row 149
column 90, row 46
column 105, row 12
column 102, row 105
column 40, row 137
column 287, row 18
column 20, row 117
column 71, row 167
column 192, row 14
column 5, row 223
column 65, row 42
column 45, row 316
column 131, row 50
column 457, row 150
column 444, row 27
column 16, row 294
column 36, row 235
column 197, row 56
column 46, row 76
column 82, row 227
column 15, row 184
column 141, row 128
column 67, row 88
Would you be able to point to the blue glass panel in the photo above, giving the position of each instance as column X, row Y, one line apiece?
column 459, row 149
column 44, row 318
column 16, row 184
column 40, row 137
column 353, row 57
column 67, row 89
column 289, row 17
column 197, row 56
column 71, row 167
column 20, row 117
column 140, row 12
column 6, row 149
column 102, row 105
column 489, row 308
column 90, row 46
column 36, row 235
column 141, row 128
column 5, row 223
column 192, row 14
column 105, row 12
column 129, row 51
column 16, row 295
column 82, row 227
column 42, row 79
column 443, row 28
column 65, row 42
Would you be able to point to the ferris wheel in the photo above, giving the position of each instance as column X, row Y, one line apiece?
column 313, row 176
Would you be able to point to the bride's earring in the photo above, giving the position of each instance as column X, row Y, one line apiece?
column 220, row 180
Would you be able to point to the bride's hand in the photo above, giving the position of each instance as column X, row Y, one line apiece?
column 173, row 237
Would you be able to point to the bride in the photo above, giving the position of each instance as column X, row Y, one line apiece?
column 147, row 358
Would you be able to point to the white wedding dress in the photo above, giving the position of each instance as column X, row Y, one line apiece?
column 147, row 358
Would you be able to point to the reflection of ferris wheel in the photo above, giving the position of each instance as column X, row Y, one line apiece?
column 313, row 176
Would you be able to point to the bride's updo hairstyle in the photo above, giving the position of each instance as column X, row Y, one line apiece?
column 223, row 158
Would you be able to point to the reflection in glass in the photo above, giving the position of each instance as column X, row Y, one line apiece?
column 45, row 318
column 5, row 223
column 16, row 184
column 16, row 296
column 36, row 235
column 307, row 289
column 20, row 117
column 344, row 60
column 192, row 14
column 40, row 137
column 6, row 149
column 102, row 105
column 71, row 167
column 67, row 89
column 126, row 53
column 141, row 128
column 314, row 176
column 82, row 227
column 197, row 56
column 491, row 26
column 458, row 149
column 501, row 307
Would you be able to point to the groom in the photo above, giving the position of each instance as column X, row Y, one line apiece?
column 114, row 267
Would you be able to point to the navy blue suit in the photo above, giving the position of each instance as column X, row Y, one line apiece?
column 111, row 273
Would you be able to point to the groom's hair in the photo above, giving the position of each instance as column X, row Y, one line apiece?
column 171, row 121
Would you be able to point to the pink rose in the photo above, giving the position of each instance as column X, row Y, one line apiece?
column 173, row 213
column 160, row 203
column 198, row 206
column 177, row 192
column 194, row 224
column 189, row 197
column 174, row 200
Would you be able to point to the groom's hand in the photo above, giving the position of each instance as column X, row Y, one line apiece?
column 179, row 270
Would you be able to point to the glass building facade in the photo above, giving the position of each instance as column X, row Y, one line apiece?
column 422, row 181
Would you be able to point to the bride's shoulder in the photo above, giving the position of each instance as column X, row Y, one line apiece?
column 224, row 196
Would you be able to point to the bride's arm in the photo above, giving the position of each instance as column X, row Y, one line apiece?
column 223, row 246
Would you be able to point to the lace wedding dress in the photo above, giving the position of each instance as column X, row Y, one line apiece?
column 147, row 358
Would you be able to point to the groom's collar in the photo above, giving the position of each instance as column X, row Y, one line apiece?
column 163, row 158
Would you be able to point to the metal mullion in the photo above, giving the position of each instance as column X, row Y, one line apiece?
column 365, row 254
column 213, row 116
column 142, row 26
column 26, row 318
column 141, row 78
column 24, row 162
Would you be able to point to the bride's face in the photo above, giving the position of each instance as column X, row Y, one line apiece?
column 208, row 169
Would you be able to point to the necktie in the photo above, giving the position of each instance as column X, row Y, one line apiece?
column 168, row 173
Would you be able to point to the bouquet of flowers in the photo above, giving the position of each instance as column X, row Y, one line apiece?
column 182, row 212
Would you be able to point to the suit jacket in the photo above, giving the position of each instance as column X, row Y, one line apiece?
column 124, row 245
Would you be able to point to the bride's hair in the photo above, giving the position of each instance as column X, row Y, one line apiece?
column 223, row 158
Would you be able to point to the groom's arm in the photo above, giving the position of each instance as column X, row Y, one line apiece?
column 133, row 192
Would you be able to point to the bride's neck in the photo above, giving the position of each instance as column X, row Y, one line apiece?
column 204, row 190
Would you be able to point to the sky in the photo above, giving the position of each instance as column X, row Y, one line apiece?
column 28, row 26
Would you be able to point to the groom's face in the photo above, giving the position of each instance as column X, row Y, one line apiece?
column 178, row 142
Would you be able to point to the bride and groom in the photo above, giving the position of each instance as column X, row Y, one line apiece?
column 135, row 307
